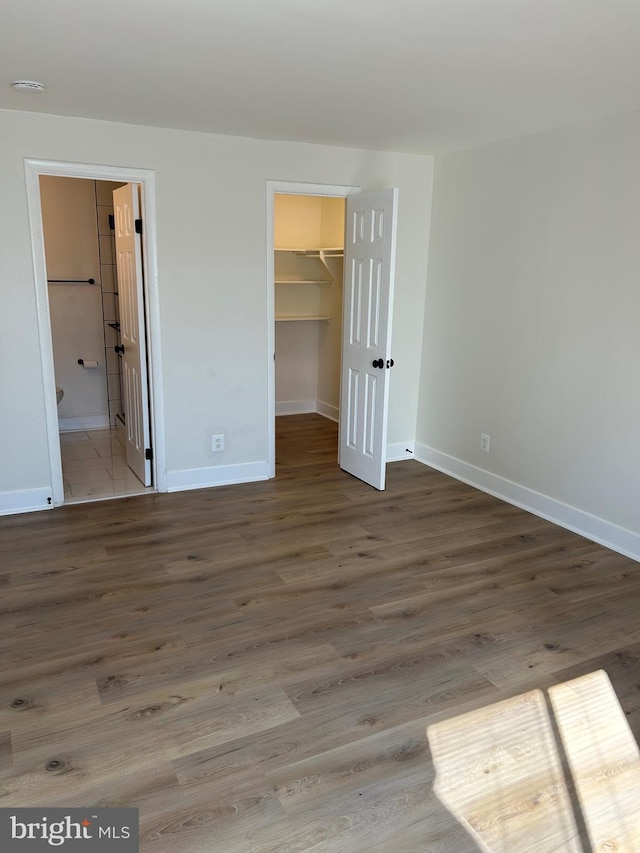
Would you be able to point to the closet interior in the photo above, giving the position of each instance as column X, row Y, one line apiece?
column 308, row 264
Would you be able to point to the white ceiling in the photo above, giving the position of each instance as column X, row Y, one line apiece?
column 420, row 76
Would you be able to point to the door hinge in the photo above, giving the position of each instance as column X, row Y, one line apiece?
column 138, row 224
column 148, row 454
column 112, row 222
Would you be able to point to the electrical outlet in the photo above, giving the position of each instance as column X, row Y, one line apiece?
column 217, row 442
column 485, row 442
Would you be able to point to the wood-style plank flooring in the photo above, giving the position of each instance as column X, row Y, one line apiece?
column 254, row 667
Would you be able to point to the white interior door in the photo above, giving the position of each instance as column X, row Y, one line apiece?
column 132, row 330
column 370, row 247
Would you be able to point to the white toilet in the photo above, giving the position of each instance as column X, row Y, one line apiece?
column 59, row 394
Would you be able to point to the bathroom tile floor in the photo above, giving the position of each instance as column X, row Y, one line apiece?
column 94, row 467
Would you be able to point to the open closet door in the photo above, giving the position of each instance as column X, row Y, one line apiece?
column 370, row 249
column 132, row 330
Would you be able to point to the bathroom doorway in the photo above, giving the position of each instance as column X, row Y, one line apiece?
column 80, row 302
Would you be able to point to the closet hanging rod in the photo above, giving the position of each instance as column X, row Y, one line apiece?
column 71, row 281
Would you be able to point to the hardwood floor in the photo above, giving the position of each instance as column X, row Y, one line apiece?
column 254, row 667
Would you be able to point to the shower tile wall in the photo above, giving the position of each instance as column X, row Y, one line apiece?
column 111, row 314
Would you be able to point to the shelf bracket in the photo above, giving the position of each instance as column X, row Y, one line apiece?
column 330, row 260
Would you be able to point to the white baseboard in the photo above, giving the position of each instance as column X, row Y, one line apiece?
column 217, row 475
column 328, row 411
column 591, row 526
column 296, row 407
column 307, row 407
column 87, row 422
column 400, row 450
column 25, row 500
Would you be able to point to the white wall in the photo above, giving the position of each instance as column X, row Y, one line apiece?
column 211, row 195
column 531, row 324
column 71, row 249
column 296, row 367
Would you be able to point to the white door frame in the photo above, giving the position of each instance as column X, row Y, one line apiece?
column 288, row 188
column 146, row 178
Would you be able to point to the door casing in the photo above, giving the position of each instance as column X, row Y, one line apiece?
column 146, row 179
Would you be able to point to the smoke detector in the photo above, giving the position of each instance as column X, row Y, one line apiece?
column 28, row 86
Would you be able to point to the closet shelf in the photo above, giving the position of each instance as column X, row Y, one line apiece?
column 297, row 318
column 300, row 267
column 331, row 251
column 303, row 281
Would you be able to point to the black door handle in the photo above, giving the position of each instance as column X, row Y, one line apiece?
column 378, row 362
column 119, row 348
column 390, row 362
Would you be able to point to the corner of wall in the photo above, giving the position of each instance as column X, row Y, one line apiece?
column 592, row 527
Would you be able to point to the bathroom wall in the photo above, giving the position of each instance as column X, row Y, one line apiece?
column 80, row 244
column 71, row 248
column 109, row 281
